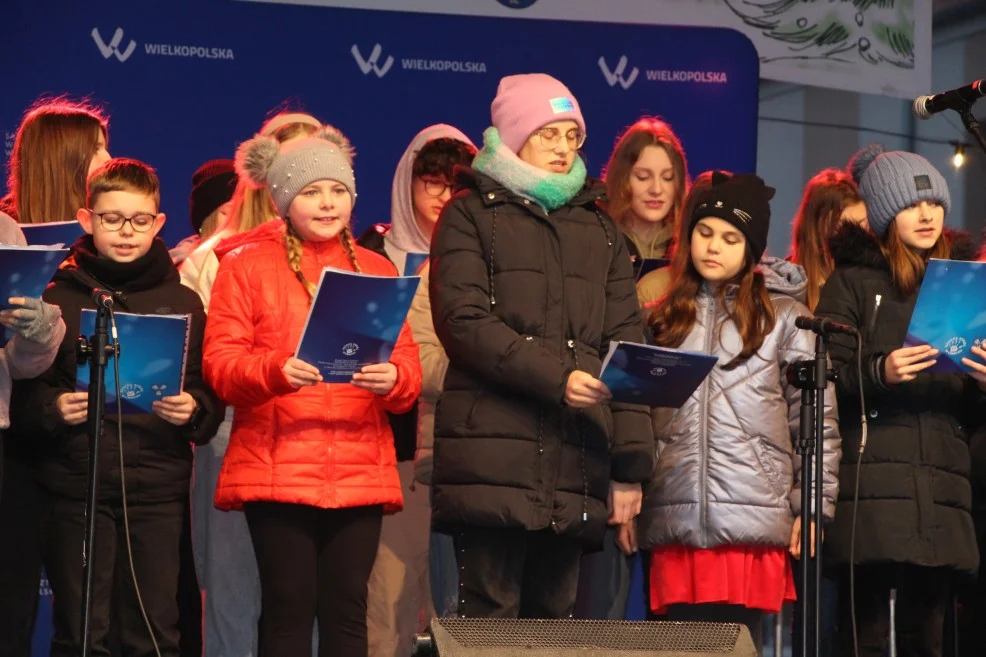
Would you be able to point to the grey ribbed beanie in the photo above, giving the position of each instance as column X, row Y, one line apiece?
column 287, row 169
column 892, row 181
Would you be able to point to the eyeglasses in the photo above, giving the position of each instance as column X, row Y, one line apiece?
column 114, row 221
column 551, row 137
column 435, row 187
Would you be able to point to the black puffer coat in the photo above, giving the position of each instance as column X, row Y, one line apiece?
column 914, row 492
column 520, row 299
column 157, row 455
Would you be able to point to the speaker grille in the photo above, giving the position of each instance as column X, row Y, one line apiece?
column 664, row 636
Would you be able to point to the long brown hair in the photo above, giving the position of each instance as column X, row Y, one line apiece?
column 906, row 264
column 674, row 316
column 826, row 195
column 252, row 206
column 49, row 164
column 648, row 131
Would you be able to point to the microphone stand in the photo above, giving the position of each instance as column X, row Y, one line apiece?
column 811, row 377
column 96, row 351
column 972, row 124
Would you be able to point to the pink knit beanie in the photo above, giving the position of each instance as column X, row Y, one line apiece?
column 526, row 103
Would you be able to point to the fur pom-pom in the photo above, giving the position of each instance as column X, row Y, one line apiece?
column 333, row 135
column 254, row 159
column 859, row 162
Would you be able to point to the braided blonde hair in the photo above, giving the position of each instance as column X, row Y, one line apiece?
column 346, row 236
column 294, row 244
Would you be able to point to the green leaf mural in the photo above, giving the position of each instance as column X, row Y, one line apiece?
column 879, row 32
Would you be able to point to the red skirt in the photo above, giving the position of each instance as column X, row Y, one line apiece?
column 758, row 577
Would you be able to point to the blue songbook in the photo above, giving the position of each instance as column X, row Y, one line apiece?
column 950, row 312
column 354, row 321
column 648, row 265
column 153, row 354
column 413, row 263
column 25, row 271
column 57, row 233
column 654, row 376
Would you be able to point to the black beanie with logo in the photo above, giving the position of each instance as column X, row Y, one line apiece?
column 743, row 200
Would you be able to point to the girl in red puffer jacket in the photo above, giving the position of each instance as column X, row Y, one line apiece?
column 312, row 464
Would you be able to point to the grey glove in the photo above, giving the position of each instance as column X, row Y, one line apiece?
column 35, row 320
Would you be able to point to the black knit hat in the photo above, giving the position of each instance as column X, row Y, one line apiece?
column 744, row 201
column 212, row 185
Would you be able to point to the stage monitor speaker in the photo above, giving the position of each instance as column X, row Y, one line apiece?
column 479, row 637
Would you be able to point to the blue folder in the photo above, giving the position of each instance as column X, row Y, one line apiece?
column 655, row 376
column 354, row 321
column 60, row 233
column 950, row 312
column 647, row 265
column 25, row 271
column 413, row 263
column 153, row 354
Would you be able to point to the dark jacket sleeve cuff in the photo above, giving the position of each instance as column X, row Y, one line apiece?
column 633, row 456
column 878, row 372
column 205, row 420
column 631, row 466
column 51, row 419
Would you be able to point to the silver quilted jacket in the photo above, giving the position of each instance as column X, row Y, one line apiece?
column 727, row 471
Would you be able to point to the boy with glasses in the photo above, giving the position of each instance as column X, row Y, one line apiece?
column 120, row 253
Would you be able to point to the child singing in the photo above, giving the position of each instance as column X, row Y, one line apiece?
column 724, row 505
column 313, row 465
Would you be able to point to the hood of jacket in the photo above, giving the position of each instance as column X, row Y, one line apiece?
column 404, row 233
column 852, row 245
column 784, row 277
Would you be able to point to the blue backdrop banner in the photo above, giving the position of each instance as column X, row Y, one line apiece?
column 186, row 81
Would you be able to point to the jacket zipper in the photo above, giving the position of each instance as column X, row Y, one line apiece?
column 561, row 331
column 876, row 312
column 703, row 430
column 578, row 428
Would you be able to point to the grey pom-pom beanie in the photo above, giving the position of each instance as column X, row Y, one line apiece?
column 892, row 181
column 289, row 168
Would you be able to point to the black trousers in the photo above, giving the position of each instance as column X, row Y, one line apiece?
column 515, row 573
column 189, row 594
column 971, row 615
column 829, row 600
column 20, row 557
column 922, row 596
column 155, row 532
column 313, row 564
column 720, row 613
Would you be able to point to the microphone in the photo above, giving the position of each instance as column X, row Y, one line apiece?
column 823, row 326
column 102, row 298
column 956, row 99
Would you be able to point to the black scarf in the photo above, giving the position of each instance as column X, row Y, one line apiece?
column 149, row 271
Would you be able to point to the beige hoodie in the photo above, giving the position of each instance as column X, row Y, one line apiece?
column 434, row 364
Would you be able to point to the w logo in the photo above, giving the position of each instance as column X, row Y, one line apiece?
column 616, row 76
column 113, row 47
column 370, row 64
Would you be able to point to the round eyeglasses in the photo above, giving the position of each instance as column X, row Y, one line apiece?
column 114, row 221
